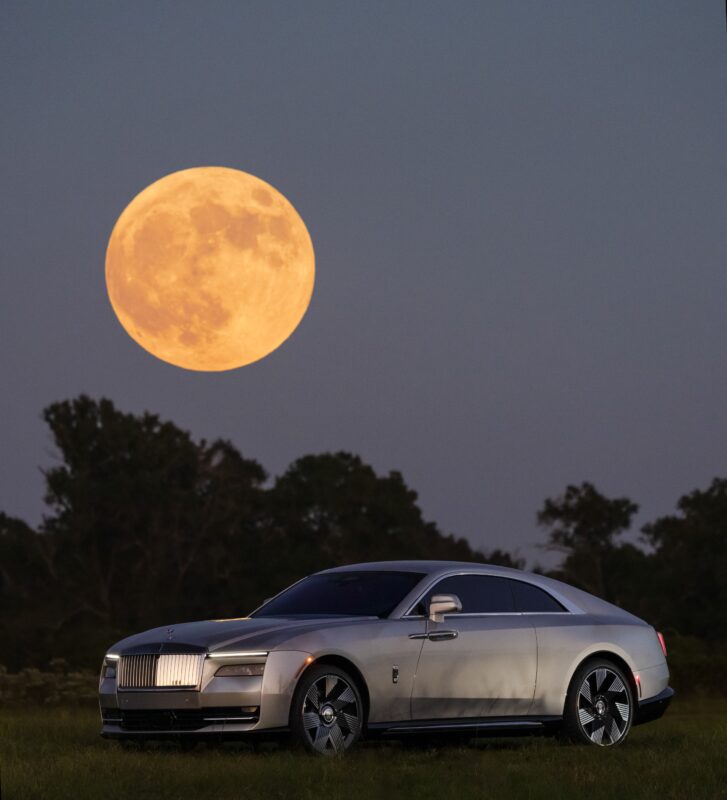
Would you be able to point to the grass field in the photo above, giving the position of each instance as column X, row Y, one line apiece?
column 57, row 753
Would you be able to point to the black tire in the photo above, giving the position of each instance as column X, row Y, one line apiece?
column 327, row 713
column 599, row 707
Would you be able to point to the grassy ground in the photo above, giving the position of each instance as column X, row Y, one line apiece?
column 57, row 753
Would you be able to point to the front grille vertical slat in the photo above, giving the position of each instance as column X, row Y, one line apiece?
column 179, row 670
column 170, row 670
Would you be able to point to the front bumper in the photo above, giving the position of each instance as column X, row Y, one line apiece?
column 654, row 707
column 221, row 706
column 118, row 723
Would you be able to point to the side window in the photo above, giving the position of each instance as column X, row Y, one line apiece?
column 529, row 598
column 480, row 594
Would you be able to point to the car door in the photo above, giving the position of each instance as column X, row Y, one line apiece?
column 480, row 662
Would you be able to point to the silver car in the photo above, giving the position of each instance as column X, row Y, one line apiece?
column 393, row 648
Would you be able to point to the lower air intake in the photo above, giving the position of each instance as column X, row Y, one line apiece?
column 169, row 720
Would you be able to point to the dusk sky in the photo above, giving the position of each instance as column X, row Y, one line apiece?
column 519, row 214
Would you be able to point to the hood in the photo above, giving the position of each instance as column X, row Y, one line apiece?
column 259, row 633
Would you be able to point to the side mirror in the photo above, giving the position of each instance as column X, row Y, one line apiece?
column 442, row 604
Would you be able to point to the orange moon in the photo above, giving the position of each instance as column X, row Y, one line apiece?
column 210, row 269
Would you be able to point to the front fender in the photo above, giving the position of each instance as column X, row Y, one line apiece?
column 282, row 670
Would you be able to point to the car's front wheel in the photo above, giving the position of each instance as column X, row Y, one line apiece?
column 326, row 714
column 600, row 705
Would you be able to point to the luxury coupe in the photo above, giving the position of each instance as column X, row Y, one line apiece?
column 393, row 648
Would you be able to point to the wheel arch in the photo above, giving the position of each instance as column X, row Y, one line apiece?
column 608, row 655
column 348, row 666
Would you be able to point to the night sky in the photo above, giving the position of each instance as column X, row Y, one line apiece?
column 519, row 212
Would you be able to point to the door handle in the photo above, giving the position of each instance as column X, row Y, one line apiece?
column 441, row 636
column 435, row 636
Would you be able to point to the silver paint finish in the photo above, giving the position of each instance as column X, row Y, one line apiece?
column 489, row 669
column 467, row 666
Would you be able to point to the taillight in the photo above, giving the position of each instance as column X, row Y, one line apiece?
column 662, row 642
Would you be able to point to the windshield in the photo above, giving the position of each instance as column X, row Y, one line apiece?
column 347, row 594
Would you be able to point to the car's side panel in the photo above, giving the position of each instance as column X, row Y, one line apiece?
column 489, row 669
column 384, row 654
column 282, row 670
column 564, row 642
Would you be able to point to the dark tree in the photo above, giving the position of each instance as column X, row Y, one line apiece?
column 690, row 564
column 27, row 593
column 140, row 514
column 583, row 524
column 146, row 527
column 334, row 509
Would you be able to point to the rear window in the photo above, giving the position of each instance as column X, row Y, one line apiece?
column 479, row 594
column 529, row 598
column 488, row 594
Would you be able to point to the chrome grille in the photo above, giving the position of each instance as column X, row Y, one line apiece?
column 151, row 671
column 137, row 672
column 179, row 670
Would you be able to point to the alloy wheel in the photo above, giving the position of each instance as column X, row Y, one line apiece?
column 604, row 707
column 331, row 715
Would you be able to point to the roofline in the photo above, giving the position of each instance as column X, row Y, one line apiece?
column 428, row 567
column 435, row 570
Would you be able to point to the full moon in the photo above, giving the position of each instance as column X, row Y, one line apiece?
column 210, row 268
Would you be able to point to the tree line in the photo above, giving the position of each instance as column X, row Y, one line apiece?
column 146, row 526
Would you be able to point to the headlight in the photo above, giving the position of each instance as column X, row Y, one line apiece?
column 108, row 668
column 240, row 670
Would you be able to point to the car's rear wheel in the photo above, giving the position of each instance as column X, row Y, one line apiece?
column 326, row 714
column 599, row 707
